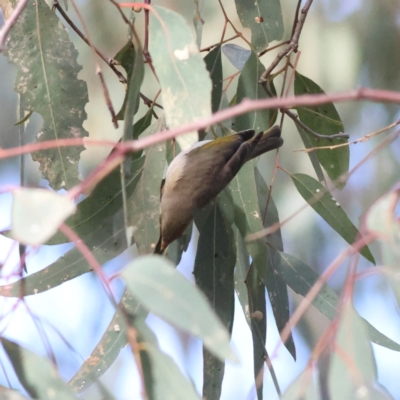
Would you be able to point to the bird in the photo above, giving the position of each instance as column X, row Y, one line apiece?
column 197, row 175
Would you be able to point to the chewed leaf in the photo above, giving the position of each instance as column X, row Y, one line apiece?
column 37, row 214
column 47, row 77
column 264, row 18
column 184, row 79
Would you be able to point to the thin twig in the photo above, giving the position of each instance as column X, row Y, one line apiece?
column 319, row 284
column 362, row 140
column 293, row 45
column 240, row 34
column 12, row 19
column 98, row 68
column 109, row 61
column 273, row 48
column 208, row 48
column 297, row 121
column 91, row 260
column 244, row 107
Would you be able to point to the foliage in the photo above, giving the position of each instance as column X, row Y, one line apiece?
column 240, row 251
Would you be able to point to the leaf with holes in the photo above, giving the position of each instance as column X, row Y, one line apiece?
column 47, row 76
column 264, row 18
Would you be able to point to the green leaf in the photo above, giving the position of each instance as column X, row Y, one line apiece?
column 215, row 257
column 248, row 87
column 105, row 244
column 264, row 18
column 37, row 214
column 353, row 370
column 325, row 120
column 133, row 94
column 301, row 278
column 106, row 351
column 126, row 58
column 241, row 270
column 166, row 379
column 248, row 215
column 303, row 388
column 36, row 374
column 312, row 154
column 165, row 292
column 47, row 77
column 258, row 316
column 329, row 209
column 381, row 220
column 142, row 124
column 144, row 203
column 177, row 247
column 214, row 66
column 277, row 289
column 102, row 203
column 184, row 80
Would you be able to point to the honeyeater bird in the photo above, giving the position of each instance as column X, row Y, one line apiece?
column 199, row 174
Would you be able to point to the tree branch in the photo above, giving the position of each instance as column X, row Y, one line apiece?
column 294, row 43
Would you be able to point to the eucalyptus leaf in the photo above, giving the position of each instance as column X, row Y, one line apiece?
column 357, row 371
column 325, row 120
column 37, row 375
column 303, row 388
column 277, row 289
column 166, row 380
column 248, row 87
column 258, row 316
column 184, row 79
column 37, row 214
column 301, row 278
column 109, row 346
column 311, row 154
column 105, row 244
column 165, row 292
column 329, row 209
column 47, row 76
column 144, row 203
column 248, row 215
column 102, row 203
column 214, row 66
column 215, row 257
column 237, row 55
column 264, row 18
column 126, row 58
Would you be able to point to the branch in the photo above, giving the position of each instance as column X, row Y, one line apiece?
column 10, row 22
column 294, row 42
column 245, row 106
column 109, row 61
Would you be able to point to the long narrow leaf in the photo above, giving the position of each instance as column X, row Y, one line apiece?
column 329, row 209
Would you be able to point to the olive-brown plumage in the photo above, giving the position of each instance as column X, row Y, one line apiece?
column 199, row 174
